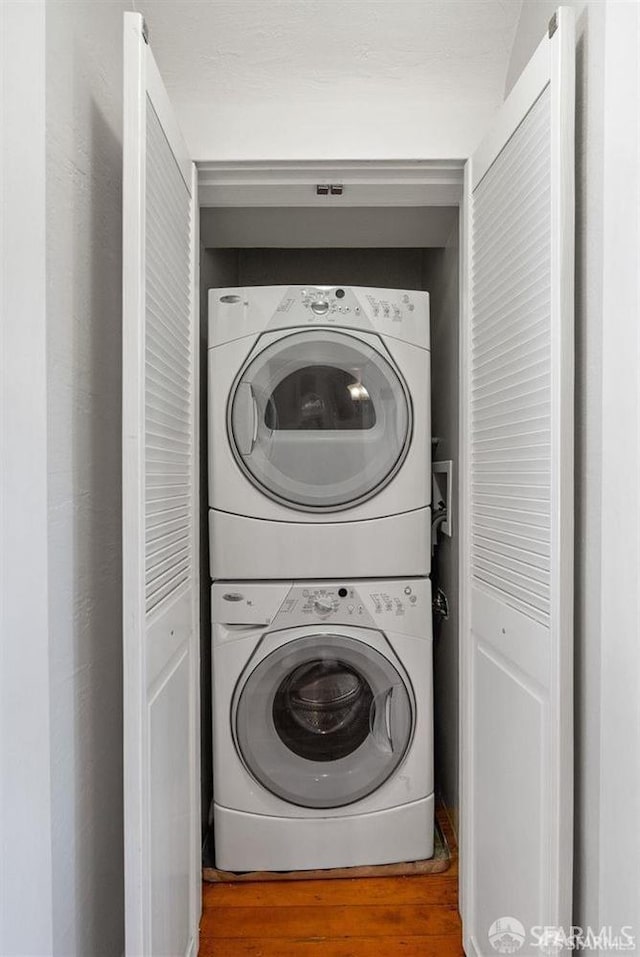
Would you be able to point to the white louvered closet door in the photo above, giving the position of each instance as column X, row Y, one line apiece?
column 517, row 499
column 160, row 510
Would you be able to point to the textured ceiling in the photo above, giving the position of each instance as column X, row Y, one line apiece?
column 270, row 60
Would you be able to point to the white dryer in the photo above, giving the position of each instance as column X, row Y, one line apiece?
column 323, row 724
column 319, row 432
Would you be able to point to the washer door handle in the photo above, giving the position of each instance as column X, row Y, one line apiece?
column 380, row 720
column 245, row 418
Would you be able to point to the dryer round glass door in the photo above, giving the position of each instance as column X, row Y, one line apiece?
column 323, row 721
column 320, row 420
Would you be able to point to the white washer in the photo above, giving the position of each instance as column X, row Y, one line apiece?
column 323, row 724
column 319, row 432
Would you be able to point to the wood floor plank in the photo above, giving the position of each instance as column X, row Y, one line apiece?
column 372, row 890
column 335, row 921
column 412, row 916
column 332, row 947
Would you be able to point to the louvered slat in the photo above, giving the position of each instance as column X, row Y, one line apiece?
column 510, row 370
column 168, row 373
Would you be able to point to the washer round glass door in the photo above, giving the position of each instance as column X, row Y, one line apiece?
column 323, row 721
column 320, row 420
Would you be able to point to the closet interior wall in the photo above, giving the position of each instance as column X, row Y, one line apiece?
column 362, row 247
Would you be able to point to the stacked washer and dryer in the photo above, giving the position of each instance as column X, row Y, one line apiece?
column 320, row 542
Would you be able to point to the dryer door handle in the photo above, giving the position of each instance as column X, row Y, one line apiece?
column 245, row 418
column 380, row 720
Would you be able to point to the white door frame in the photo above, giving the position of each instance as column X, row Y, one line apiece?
column 395, row 183
column 365, row 183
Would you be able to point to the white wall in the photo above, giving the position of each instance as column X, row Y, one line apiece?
column 61, row 697
column 619, row 859
column 606, row 470
column 334, row 227
column 84, row 342
column 332, row 79
column 25, row 819
column 62, row 841
column 391, row 268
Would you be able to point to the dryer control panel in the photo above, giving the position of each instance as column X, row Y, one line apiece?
column 243, row 311
column 401, row 605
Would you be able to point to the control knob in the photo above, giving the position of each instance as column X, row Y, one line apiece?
column 323, row 605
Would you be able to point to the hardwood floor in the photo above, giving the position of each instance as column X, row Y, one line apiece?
column 390, row 916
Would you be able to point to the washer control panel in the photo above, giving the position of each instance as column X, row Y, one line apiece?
column 401, row 604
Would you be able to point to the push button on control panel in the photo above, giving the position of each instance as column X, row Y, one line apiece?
column 393, row 604
column 386, row 309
